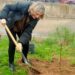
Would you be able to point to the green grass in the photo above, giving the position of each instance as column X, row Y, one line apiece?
column 4, row 69
column 44, row 50
column 63, row 40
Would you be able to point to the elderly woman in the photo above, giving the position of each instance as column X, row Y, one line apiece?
column 21, row 18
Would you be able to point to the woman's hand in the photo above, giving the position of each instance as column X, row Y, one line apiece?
column 19, row 47
column 3, row 22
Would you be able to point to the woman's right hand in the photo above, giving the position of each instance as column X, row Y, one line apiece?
column 3, row 22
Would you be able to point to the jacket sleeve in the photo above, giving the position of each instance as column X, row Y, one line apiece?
column 5, row 11
column 26, row 36
column 17, row 7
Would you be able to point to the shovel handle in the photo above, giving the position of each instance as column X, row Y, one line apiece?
column 3, row 21
column 10, row 34
column 15, row 42
column 13, row 39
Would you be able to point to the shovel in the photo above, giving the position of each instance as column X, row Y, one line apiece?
column 15, row 42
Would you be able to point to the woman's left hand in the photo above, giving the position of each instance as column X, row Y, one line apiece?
column 19, row 47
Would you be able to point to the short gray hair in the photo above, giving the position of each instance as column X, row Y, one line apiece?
column 38, row 7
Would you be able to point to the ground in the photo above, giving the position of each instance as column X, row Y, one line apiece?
column 55, row 67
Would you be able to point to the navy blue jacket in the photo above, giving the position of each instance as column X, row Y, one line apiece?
column 15, row 12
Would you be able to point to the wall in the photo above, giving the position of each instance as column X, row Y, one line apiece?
column 59, row 11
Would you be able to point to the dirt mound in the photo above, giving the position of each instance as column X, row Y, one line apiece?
column 51, row 68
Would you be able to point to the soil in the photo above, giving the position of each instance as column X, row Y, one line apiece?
column 55, row 67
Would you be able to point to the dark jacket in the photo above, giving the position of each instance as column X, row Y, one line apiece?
column 15, row 12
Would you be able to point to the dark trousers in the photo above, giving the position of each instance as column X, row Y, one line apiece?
column 11, row 50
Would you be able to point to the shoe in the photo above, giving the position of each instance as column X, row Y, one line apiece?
column 11, row 66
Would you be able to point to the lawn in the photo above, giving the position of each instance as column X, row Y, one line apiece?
column 56, row 45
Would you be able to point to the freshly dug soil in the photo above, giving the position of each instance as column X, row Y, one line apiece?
column 55, row 67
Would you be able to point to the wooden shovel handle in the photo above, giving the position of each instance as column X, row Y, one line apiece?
column 3, row 21
column 10, row 34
